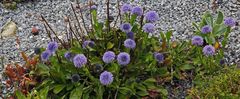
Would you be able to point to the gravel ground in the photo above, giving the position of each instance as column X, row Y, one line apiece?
column 175, row 14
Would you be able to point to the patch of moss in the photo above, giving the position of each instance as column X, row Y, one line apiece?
column 223, row 85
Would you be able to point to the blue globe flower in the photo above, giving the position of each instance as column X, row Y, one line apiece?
column 45, row 55
column 126, row 27
column 129, row 43
column 197, row 40
column 229, row 22
column 52, row 47
column 137, row 11
column 209, row 50
column 159, row 57
column 79, row 60
column 151, row 16
column 108, row 56
column 106, row 78
column 149, row 28
column 130, row 35
column 126, row 8
column 206, row 29
column 123, row 58
column 88, row 43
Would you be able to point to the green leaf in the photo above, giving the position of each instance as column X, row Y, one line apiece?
column 150, row 80
column 125, row 90
column 43, row 93
column 186, row 67
column 58, row 88
column 141, row 87
column 20, row 95
column 76, row 93
column 196, row 26
column 42, row 69
column 219, row 18
column 163, row 91
column 133, row 18
column 114, row 68
column 168, row 35
column 142, row 93
column 110, row 45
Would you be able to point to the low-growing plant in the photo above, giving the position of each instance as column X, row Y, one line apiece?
column 124, row 62
column 223, row 85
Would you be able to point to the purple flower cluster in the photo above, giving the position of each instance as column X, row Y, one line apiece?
column 45, row 55
column 106, row 78
column 93, row 7
column 79, row 60
column 229, row 22
column 69, row 56
column 197, row 40
column 149, row 28
column 126, row 8
column 151, row 16
column 206, row 29
column 126, row 27
column 123, row 58
column 108, row 56
column 137, row 11
column 88, row 43
column 209, row 50
column 159, row 57
column 51, row 48
column 130, row 35
column 129, row 43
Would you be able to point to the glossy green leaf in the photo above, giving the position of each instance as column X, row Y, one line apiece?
column 76, row 93
column 186, row 67
column 58, row 88
column 219, row 18
column 142, row 93
column 20, row 95
column 110, row 45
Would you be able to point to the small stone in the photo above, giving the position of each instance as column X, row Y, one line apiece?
column 9, row 29
column 35, row 30
column 66, row 19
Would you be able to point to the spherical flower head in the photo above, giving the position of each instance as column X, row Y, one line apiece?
column 222, row 62
column 209, row 50
column 52, row 46
column 106, row 78
column 197, row 40
column 126, row 8
column 149, row 28
column 129, row 43
column 123, row 58
column 79, row 60
column 130, row 35
column 45, row 55
column 93, row 7
column 206, row 29
column 137, row 11
column 108, row 57
column 151, row 16
column 229, row 22
column 126, row 27
column 88, row 43
column 98, row 68
column 69, row 55
column 159, row 57
column 75, row 78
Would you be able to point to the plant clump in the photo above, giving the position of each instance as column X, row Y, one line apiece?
column 126, row 61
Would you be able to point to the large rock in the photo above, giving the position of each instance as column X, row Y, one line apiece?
column 9, row 29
